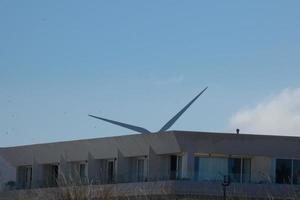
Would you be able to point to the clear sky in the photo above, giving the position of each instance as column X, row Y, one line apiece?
column 139, row 62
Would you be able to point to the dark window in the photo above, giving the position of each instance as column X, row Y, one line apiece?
column 234, row 169
column 246, row 172
column 179, row 167
column 140, row 170
column 196, row 168
column 173, row 167
column 82, row 170
column 24, row 177
column 283, row 171
column 296, row 172
column 110, row 171
column 54, row 175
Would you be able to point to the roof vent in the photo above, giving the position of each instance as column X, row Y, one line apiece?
column 237, row 131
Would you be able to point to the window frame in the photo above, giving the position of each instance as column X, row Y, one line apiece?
column 292, row 169
column 228, row 157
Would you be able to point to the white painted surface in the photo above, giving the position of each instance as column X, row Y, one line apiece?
column 7, row 172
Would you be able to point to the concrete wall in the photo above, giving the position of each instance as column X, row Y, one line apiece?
column 155, row 148
column 239, row 144
column 122, row 168
column 7, row 172
column 102, row 148
column 188, row 165
column 158, row 166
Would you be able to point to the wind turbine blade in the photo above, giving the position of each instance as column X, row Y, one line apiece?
column 175, row 118
column 128, row 126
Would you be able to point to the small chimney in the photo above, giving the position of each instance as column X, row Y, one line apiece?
column 237, row 131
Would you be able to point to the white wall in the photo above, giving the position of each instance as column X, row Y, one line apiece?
column 188, row 165
column 122, row 168
column 7, row 172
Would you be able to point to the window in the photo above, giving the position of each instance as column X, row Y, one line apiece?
column 196, row 168
column 140, row 169
column 210, row 168
column 288, row 171
column 53, row 175
column 234, row 169
column 179, row 167
column 110, row 171
column 239, row 170
column 296, row 172
column 215, row 168
column 283, row 171
column 246, row 170
column 83, row 170
column 175, row 167
column 50, row 174
column 25, row 177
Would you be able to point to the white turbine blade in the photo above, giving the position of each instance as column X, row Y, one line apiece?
column 175, row 118
column 128, row 126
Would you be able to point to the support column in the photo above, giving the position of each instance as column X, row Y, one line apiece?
column 122, row 168
column 188, row 165
column 65, row 175
column 93, row 171
column 154, row 170
column 37, row 175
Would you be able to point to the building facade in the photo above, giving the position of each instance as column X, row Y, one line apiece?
column 174, row 155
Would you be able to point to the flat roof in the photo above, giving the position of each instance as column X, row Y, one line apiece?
column 170, row 142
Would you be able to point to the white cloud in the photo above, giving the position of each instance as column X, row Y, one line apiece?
column 278, row 115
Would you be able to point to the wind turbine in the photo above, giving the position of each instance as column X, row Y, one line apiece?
column 145, row 131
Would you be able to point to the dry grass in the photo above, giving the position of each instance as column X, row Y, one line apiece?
column 92, row 192
column 65, row 193
column 74, row 190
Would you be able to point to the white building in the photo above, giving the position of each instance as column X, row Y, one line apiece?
column 182, row 156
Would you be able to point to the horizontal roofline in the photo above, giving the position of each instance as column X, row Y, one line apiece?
column 171, row 131
column 240, row 134
column 80, row 140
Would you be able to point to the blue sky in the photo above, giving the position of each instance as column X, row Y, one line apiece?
column 139, row 62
